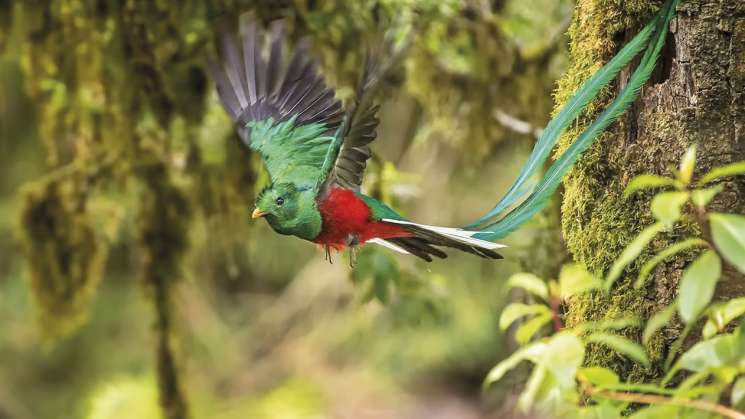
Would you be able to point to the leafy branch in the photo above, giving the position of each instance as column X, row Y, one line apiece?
column 716, row 360
column 643, row 398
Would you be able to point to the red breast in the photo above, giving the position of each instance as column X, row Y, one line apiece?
column 344, row 214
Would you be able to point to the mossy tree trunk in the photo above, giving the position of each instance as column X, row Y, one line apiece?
column 697, row 95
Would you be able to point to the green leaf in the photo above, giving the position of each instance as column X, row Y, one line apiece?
column 528, row 329
column 601, row 409
column 719, row 351
column 599, row 376
column 631, row 252
column 554, row 374
column 687, row 164
column 622, row 345
column 528, row 353
column 666, row 206
column 516, row 310
column 728, row 231
column 563, row 358
column 697, row 285
column 722, row 314
column 710, row 329
column 530, row 283
column 574, row 279
column 556, row 363
column 671, row 250
column 530, row 393
column 738, row 391
column 647, row 182
column 701, row 197
column 613, row 324
column 656, row 322
column 732, row 169
column 691, row 382
column 656, row 412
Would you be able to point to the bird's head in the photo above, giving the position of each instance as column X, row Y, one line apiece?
column 289, row 209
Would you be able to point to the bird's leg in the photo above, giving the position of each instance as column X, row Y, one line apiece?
column 328, row 255
column 353, row 251
column 353, row 242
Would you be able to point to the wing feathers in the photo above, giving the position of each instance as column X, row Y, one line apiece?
column 250, row 57
column 419, row 247
column 254, row 87
column 352, row 160
column 226, row 92
column 234, row 70
column 273, row 68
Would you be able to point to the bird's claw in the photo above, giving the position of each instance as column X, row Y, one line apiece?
column 353, row 242
column 328, row 255
column 353, row 251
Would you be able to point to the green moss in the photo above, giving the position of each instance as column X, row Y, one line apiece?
column 597, row 221
column 65, row 253
column 163, row 234
column 593, row 40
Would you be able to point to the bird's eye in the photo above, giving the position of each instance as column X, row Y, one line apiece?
column 280, row 201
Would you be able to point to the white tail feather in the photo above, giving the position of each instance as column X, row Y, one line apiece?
column 457, row 234
column 389, row 245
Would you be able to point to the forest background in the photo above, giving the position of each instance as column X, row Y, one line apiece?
column 130, row 270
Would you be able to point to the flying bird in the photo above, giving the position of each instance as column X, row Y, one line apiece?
column 315, row 150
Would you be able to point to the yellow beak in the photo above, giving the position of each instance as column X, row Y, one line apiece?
column 257, row 213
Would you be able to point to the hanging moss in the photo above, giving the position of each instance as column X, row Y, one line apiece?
column 477, row 70
column 124, row 82
column 65, row 253
column 5, row 20
column 162, row 231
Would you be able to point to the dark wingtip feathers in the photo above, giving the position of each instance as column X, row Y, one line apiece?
column 253, row 86
column 424, row 248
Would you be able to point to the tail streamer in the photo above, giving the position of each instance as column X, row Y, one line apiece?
column 499, row 222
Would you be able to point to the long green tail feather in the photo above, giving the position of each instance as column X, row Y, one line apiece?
column 546, row 187
column 587, row 92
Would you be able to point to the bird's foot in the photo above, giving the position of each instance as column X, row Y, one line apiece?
column 353, row 243
column 353, row 252
column 328, row 255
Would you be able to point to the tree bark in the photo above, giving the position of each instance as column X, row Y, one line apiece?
column 697, row 95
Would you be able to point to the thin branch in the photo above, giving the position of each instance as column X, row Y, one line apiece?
column 517, row 125
column 662, row 400
column 703, row 223
column 172, row 399
column 555, row 316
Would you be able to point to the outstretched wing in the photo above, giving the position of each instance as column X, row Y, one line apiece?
column 350, row 165
column 279, row 102
column 350, row 149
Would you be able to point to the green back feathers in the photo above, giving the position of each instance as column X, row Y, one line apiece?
column 291, row 153
column 277, row 100
column 284, row 110
column 379, row 209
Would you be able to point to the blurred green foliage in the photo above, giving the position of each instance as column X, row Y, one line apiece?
column 121, row 177
column 701, row 375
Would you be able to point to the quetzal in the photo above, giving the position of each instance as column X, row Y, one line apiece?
column 315, row 150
